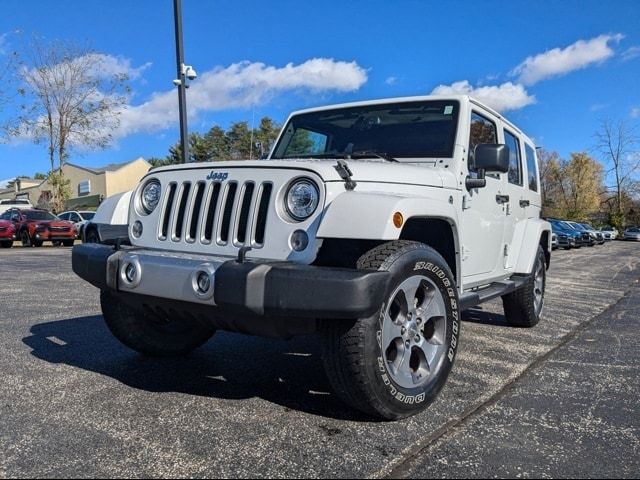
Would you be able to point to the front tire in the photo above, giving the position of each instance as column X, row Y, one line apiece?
column 152, row 335
column 393, row 364
column 25, row 239
column 523, row 308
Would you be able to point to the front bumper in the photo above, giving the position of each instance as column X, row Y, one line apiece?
column 47, row 236
column 265, row 288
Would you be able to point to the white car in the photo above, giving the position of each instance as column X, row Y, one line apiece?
column 632, row 233
column 17, row 203
column 610, row 233
column 372, row 224
column 79, row 218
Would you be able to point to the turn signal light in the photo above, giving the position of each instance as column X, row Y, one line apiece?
column 398, row 219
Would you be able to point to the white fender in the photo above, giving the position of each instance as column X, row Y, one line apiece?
column 369, row 215
column 114, row 210
column 528, row 250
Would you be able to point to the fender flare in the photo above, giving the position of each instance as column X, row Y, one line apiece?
column 369, row 215
column 533, row 233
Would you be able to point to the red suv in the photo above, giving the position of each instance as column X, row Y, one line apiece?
column 7, row 232
column 34, row 227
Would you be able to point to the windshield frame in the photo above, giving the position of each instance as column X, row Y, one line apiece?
column 375, row 153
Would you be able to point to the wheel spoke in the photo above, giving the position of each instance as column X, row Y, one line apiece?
column 390, row 330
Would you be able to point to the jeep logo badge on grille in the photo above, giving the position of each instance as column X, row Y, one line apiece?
column 220, row 176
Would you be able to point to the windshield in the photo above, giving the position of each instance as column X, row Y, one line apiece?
column 39, row 215
column 424, row 129
column 88, row 215
column 634, row 230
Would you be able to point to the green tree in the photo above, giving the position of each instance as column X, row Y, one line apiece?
column 218, row 143
column 239, row 139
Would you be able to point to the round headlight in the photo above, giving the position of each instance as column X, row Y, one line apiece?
column 150, row 196
column 302, row 199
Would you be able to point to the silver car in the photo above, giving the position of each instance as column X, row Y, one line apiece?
column 632, row 233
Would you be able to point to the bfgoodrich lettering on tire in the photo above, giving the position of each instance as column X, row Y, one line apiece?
column 393, row 364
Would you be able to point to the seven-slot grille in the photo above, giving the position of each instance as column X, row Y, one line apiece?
column 215, row 213
column 59, row 229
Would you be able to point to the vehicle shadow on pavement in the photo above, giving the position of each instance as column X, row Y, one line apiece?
column 229, row 367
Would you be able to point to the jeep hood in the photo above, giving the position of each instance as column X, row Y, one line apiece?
column 375, row 170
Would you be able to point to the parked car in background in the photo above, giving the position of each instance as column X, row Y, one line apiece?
column 554, row 241
column 587, row 238
column 610, row 233
column 596, row 234
column 78, row 218
column 567, row 236
column 17, row 203
column 7, row 231
column 632, row 233
column 34, row 227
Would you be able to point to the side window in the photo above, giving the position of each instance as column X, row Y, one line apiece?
column 482, row 130
column 532, row 168
column 64, row 216
column 5, row 216
column 515, row 162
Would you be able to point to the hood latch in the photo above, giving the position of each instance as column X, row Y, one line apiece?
column 345, row 174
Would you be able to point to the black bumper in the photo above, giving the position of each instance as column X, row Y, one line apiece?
column 283, row 289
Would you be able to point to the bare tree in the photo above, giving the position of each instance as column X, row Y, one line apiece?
column 70, row 99
column 617, row 142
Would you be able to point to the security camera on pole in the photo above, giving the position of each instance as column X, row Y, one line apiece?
column 185, row 72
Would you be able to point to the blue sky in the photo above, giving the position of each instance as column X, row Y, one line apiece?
column 343, row 51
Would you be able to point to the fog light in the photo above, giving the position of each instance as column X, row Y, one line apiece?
column 299, row 240
column 131, row 272
column 137, row 228
column 204, row 283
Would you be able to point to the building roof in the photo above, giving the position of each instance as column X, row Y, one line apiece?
column 112, row 167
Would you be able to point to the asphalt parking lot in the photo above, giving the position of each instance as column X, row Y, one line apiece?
column 556, row 400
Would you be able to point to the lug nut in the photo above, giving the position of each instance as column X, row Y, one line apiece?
column 403, row 330
column 407, row 344
column 417, row 339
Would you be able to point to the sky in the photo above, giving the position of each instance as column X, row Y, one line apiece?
column 555, row 69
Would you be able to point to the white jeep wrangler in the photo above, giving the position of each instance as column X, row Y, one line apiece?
column 373, row 224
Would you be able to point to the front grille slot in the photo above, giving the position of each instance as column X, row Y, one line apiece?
column 263, row 209
column 245, row 210
column 195, row 211
column 168, row 208
column 211, row 212
column 227, row 213
column 182, row 206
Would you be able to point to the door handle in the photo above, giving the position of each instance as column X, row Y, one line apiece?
column 501, row 199
column 525, row 203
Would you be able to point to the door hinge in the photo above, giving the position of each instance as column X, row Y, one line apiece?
column 466, row 202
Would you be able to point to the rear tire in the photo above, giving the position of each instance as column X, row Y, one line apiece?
column 150, row 335
column 523, row 308
column 393, row 364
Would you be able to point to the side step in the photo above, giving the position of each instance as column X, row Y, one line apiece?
column 497, row 289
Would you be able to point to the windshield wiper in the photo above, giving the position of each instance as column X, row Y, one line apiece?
column 373, row 153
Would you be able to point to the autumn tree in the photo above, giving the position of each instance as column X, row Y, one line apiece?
column 618, row 143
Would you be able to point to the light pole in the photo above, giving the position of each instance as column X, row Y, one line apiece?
column 184, row 72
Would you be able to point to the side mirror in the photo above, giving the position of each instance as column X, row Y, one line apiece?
column 488, row 158
column 492, row 158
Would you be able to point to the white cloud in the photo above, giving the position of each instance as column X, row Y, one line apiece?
column 109, row 65
column 631, row 53
column 557, row 62
column 635, row 112
column 504, row 97
column 241, row 85
column 391, row 80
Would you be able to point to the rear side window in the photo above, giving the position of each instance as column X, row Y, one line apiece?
column 532, row 168
column 515, row 163
column 482, row 130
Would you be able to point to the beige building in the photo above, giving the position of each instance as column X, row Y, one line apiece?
column 89, row 186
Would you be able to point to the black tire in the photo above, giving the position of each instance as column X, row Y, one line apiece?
column 355, row 359
column 37, row 243
column 56, row 243
column 68, row 243
column 8, row 244
column 91, row 236
column 25, row 239
column 151, row 335
column 520, row 307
